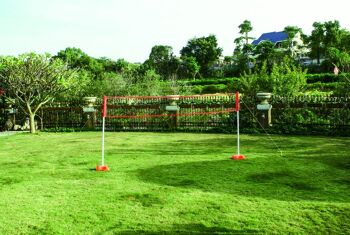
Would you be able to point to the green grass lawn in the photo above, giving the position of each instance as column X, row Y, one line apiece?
column 166, row 183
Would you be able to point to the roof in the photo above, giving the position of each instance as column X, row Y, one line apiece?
column 272, row 37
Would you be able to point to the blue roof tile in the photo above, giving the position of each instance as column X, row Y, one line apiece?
column 273, row 37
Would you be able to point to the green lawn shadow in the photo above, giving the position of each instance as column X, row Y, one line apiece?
column 259, row 177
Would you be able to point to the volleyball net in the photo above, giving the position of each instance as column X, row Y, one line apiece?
column 166, row 112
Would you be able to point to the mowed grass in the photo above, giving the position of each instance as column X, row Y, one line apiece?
column 173, row 183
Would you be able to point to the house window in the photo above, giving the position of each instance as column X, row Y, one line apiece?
column 278, row 44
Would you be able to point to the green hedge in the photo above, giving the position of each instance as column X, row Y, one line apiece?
column 210, row 89
column 204, row 82
column 311, row 78
column 320, row 86
column 326, row 77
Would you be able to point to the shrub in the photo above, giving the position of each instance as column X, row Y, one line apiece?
column 285, row 79
column 210, row 89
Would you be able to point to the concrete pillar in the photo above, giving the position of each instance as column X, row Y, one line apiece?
column 264, row 109
column 173, row 110
column 89, row 112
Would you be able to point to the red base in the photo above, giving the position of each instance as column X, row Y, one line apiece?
column 102, row 168
column 238, row 157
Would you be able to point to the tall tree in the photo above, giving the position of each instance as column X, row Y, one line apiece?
column 76, row 58
column 163, row 60
column 265, row 52
column 316, row 41
column 332, row 35
column 243, row 50
column 34, row 80
column 291, row 32
column 190, row 66
column 245, row 28
column 205, row 50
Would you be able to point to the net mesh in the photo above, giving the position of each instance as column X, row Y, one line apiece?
column 164, row 106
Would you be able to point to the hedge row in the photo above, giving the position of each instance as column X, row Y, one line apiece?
column 213, row 81
column 210, row 89
column 320, row 86
column 326, row 77
column 311, row 78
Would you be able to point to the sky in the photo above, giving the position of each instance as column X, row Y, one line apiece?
column 129, row 29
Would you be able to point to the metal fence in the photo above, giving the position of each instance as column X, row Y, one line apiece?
column 212, row 113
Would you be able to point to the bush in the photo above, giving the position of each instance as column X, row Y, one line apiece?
column 213, row 81
column 322, row 77
column 211, row 89
column 285, row 79
column 320, row 86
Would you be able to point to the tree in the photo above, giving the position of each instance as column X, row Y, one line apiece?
column 284, row 79
column 244, row 29
column 190, row 66
column 325, row 36
column 332, row 35
column 291, row 32
column 338, row 58
column 163, row 60
column 205, row 50
column 243, row 50
column 265, row 52
column 76, row 58
column 316, row 40
column 108, row 65
column 34, row 80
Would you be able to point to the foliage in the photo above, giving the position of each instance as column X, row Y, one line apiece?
column 338, row 58
column 244, row 29
column 329, row 41
column 320, row 86
column 211, row 89
column 77, row 59
column 343, row 87
column 205, row 50
column 243, row 58
column 34, row 80
column 163, row 61
column 284, row 79
column 189, row 67
column 287, row 79
column 324, row 77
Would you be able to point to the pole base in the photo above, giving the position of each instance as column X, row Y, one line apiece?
column 102, row 168
column 238, row 157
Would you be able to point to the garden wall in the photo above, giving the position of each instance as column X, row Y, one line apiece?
column 321, row 115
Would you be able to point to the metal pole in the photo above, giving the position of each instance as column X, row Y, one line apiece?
column 237, row 111
column 237, row 132
column 103, row 142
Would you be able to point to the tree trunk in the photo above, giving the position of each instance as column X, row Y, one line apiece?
column 32, row 122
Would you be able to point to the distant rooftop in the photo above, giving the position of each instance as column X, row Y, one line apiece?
column 272, row 37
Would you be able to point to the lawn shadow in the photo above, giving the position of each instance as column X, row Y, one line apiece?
column 258, row 177
column 188, row 229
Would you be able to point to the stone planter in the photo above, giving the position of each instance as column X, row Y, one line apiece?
column 90, row 100
column 264, row 108
column 90, row 111
column 173, row 110
column 172, row 99
column 263, row 97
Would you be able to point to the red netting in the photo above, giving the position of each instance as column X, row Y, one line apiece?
column 167, row 106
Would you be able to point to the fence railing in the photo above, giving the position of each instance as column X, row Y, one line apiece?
column 214, row 113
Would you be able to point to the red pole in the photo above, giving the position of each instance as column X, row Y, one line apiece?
column 104, row 108
column 237, row 156
column 237, row 101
